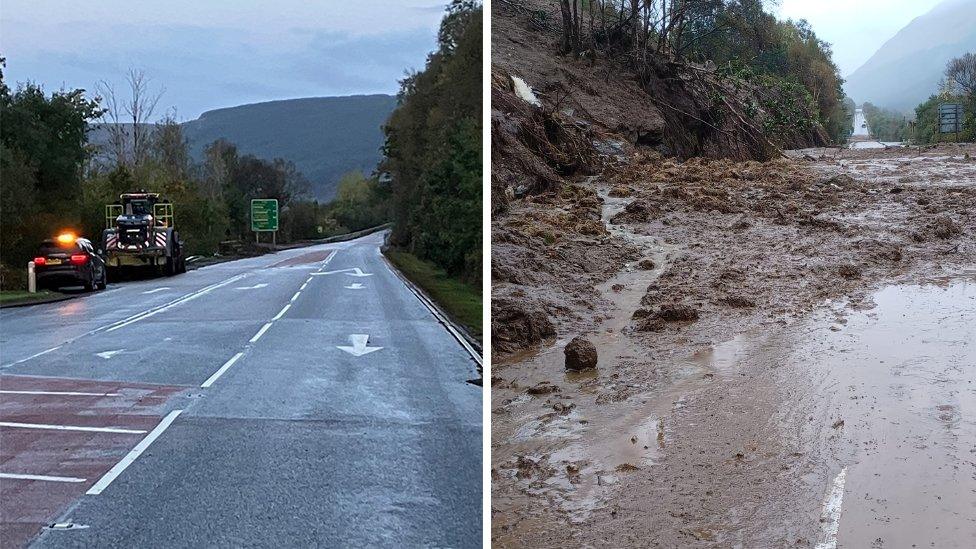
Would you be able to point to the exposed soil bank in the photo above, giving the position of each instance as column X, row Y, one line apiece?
column 740, row 367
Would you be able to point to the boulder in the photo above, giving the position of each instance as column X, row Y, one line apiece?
column 580, row 354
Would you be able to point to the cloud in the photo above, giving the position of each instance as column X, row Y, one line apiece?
column 297, row 52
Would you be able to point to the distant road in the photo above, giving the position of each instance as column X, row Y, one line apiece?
column 305, row 398
column 861, row 130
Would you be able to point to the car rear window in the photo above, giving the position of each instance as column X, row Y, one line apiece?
column 49, row 249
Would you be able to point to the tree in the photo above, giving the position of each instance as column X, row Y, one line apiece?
column 128, row 119
column 433, row 148
column 961, row 73
column 43, row 146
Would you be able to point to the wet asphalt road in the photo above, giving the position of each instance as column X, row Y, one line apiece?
column 296, row 443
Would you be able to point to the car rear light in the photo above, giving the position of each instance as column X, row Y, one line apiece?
column 78, row 259
column 40, row 260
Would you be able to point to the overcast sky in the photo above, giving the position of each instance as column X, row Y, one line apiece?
column 220, row 53
column 856, row 28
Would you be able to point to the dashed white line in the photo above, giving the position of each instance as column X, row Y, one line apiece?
column 830, row 517
column 41, row 477
column 133, row 454
column 260, row 333
column 282, row 312
column 71, row 428
column 294, row 297
column 210, row 381
column 57, row 393
column 164, row 288
column 304, row 285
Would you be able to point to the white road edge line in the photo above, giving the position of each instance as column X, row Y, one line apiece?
column 58, row 393
column 133, row 454
column 260, row 333
column 830, row 517
column 41, row 477
column 437, row 314
column 216, row 375
column 35, row 355
column 71, row 428
column 282, row 312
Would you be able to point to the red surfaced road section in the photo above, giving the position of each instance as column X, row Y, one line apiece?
column 28, row 505
column 311, row 257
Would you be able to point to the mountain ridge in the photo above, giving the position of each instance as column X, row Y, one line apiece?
column 907, row 68
column 325, row 137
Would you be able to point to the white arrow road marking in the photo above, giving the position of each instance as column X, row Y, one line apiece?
column 109, row 354
column 830, row 517
column 355, row 286
column 358, row 347
column 156, row 290
column 355, row 271
column 255, row 287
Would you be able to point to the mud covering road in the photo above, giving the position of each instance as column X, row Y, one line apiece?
column 786, row 354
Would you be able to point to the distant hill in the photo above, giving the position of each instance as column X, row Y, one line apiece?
column 907, row 69
column 325, row 137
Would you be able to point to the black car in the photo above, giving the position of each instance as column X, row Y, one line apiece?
column 69, row 261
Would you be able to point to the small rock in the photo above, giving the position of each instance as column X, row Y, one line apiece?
column 542, row 388
column 580, row 354
column 849, row 271
column 646, row 264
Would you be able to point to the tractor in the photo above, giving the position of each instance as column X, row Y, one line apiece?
column 139, row 232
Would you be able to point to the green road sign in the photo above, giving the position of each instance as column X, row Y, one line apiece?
column 264, row 214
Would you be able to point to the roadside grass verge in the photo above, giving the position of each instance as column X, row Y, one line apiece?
column 462, row 301
column 10, row 297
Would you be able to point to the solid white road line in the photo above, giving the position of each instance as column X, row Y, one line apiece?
column 71, row 428
column 176, row 302
column 210, row 381
column 830, row 517
column 260, row 333
column 35, row 355
column 434, row 310
column 59, row 393
column 41, row 477
column 115, row 471
column 282, row 312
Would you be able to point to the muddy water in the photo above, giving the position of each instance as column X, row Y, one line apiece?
column 902, row 378
column 611, row 427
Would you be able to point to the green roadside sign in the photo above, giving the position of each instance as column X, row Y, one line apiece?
column 264, row 214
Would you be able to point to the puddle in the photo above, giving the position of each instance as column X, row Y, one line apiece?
column 901, row 380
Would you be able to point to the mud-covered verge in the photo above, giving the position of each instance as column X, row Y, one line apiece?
column 694, row 280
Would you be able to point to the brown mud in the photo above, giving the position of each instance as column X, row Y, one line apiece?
column 760, row 327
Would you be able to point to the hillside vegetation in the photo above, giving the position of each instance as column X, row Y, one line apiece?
column 324, row 137
column 433, row 150
column 52, row 180
column 708, row 78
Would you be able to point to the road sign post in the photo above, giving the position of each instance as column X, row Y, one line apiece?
column 264, row 218
column 950, row 118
